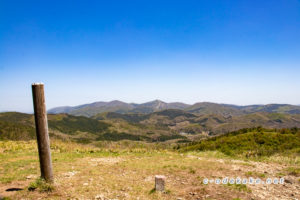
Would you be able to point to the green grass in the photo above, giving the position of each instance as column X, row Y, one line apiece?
column 255, row 142
column 192, row 171
column 116, row 172
column 6, row 198
column 41, row 185
column 17, row 170
column 239, row 187
column 20, row 159
column 115, row 136
column 255, row 174
column 294, row 171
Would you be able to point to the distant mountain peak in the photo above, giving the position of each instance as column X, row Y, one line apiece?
column 158, row 105
column 157, row 101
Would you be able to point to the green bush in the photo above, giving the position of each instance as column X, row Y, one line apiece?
column 41, row 185
column 251, row 142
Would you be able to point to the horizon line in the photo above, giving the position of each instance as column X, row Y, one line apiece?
column 244, row 105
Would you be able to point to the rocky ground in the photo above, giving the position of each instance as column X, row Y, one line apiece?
column 130, row 175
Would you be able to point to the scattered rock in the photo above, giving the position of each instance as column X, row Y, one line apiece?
column 96, row 161
column 31, row 177
column 99, row 197
column 70, row 174
column 85, row 184
column 160, row 182
column 287, row 180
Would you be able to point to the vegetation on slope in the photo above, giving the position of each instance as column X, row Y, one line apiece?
column 167, row 125
column 251, row 142
column 71, row 124
column 16, row 117
column 16, row 131
column 115, row 136
column 20, row 126
column 179, row 121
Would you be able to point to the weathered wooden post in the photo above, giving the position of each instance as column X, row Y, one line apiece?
column 41, row 127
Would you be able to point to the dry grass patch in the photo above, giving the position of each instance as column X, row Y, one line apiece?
column 86, row 172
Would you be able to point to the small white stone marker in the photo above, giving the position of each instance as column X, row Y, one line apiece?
column 160, row 182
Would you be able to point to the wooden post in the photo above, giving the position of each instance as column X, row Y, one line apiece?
column 42, row 135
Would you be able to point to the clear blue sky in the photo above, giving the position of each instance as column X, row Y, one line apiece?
column 225, row 51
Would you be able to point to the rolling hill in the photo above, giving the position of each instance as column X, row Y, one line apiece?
column 272, row 108
column 250, row 142
column 20, row 126
column 193, row 124
column 92, row 109
column 214, row 108
column 116, row 106
column 173, row 125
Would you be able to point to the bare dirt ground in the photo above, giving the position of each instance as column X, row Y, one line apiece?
column 130, row 175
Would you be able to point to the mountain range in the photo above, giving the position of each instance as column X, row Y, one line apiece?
column 95, row 108
column 154, row 121
column 172, row 125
